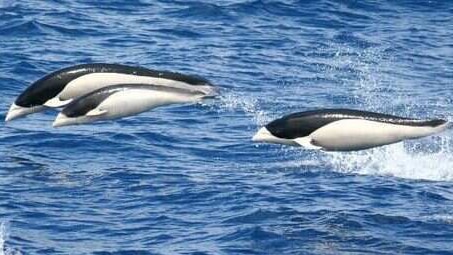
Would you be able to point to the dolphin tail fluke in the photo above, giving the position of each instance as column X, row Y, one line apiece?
column 444, row 125
column 210, row 92
column 448, row 127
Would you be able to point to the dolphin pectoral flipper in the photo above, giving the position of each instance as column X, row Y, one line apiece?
column 56, row 102
column 96, row 112
column 307, row 142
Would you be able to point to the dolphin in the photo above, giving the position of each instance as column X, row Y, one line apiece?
column 122, row 100
column 345, row 129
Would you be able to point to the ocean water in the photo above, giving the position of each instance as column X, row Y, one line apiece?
column 187, row 179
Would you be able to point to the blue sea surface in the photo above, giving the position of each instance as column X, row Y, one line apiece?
column 187, row 179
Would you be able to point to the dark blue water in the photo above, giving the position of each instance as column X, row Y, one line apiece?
column 187, row 179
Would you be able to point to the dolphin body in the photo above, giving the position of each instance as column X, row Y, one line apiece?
column 345, row 129
column 122, row 100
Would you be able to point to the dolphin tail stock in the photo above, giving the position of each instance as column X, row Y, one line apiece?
column 210, row 92
column 449, row 125
column 446, row 125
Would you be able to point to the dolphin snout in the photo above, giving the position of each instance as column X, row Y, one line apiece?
column 262, row 135
column 16, row 111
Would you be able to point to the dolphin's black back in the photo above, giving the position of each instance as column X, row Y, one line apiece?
column 141, row 71
column 52, row 84
column 304, row 123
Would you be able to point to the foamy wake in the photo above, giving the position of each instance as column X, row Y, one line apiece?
column 444, row 218
column 3, row 237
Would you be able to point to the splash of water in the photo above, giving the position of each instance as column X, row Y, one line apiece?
column 398, row 160
column 249, row 105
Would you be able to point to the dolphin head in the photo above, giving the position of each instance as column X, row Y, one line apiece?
column 76, row 113
column 263, row 135
column 36, row 96
column 17, row 111
column 85, row 109
column 281, row 131
column 45, row 92
column 64, row 120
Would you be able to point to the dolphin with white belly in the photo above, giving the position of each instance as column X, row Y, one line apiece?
column 61, row 87
column 123, row 100
column 345, row 129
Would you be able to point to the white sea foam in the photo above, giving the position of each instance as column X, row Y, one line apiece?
column 399, row 161
column 2, row 238
column 444, row 218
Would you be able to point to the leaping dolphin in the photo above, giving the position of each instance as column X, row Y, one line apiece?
column 123, row 100
column 345, row 129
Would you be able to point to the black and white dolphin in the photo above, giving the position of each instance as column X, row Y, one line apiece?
column 123, row 100
column 61, row 87
column 345, row 129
